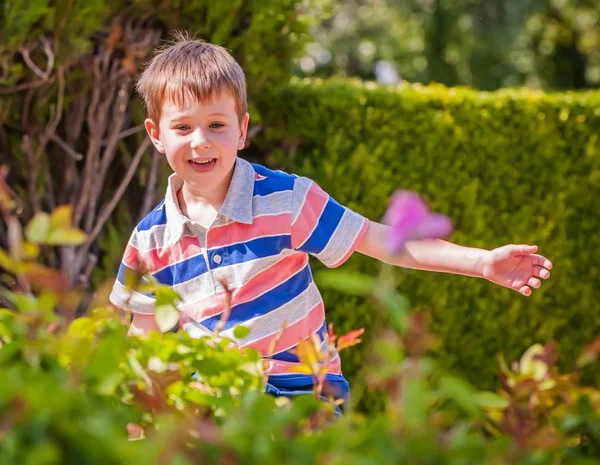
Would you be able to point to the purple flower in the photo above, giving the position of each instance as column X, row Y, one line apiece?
column 410, row 219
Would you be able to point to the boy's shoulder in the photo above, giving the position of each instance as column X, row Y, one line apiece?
column 155, row 219
column 268, row 180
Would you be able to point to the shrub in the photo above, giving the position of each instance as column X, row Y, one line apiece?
column 513, row 166
column 72, row 391
column 70, row 124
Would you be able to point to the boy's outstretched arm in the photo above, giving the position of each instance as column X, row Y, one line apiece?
column 517, row 267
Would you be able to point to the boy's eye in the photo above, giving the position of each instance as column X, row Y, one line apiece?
column 182, row 127
column 216, row 125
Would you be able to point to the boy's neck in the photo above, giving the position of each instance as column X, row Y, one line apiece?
column 202, row 207
column 196, row 208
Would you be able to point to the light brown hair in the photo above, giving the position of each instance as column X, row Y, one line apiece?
column 190, row 65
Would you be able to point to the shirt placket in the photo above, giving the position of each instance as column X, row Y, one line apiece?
column 202, row 235
column 216, row 259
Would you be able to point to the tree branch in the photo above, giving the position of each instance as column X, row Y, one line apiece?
column 66, row 147
column 150, row 192
column 111, row 205
column 124, row 134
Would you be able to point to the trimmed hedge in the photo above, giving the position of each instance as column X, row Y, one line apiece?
column 514, row 166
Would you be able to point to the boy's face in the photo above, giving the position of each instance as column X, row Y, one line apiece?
column 200, row 141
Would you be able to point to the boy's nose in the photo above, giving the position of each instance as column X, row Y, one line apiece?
column 200, row 140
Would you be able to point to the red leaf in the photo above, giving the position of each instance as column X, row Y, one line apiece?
column 350, row 339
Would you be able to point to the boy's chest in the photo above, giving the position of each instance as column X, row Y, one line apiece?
column 205, row 262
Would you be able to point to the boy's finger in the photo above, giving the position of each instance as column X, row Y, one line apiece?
column 525, row 290
column 541, row 272
column 542, row 261
column 522, row 249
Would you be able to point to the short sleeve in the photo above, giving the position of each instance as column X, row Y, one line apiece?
column 321, row 226
column 121, row 295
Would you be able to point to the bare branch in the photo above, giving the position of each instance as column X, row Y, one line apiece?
column 24, row 86
column 75, row 125
column 51, row 200
column 111, row 205
column 124, row 134
column 253, row 131
column 27, row 148
column 150, row 192
column 58, row 110
column 96, row 134
column 49, row 54
column 75, row 116
column 25, row 53
column 92, row 260
column 66, row 147
column 119, row 109
column 31, row 65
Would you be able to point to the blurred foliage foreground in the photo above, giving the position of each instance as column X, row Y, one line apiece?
column 80, row 391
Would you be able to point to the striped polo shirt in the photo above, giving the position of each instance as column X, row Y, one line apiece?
column 259, row 245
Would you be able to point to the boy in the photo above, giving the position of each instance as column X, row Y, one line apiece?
column 224, row 220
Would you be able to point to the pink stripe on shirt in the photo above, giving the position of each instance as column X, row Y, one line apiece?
column 308, row 218
column 156, row 259
column 233, row 233
column 270, row 277
column 260, row 283
column 293, row 333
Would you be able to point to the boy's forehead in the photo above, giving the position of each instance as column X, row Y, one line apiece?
column 187, row 103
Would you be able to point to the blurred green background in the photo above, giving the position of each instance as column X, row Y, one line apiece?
column 486, row 44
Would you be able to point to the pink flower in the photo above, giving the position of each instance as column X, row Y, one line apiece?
column 410, row 219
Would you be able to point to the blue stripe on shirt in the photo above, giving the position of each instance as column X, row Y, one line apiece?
column 182, row 271
column 154, row 218
column 251, row 250
column 328, row 223
column 264, row 303
column 275, row 182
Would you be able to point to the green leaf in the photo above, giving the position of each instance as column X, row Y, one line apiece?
column 30, row 251
column 532, row 366
column 24, row 302
column 167, row 316
column 488, row 399
column 417, row 400
column 82, row 327
column 38, row 228
column 5, row 261
column 397, row 305
column 352, row 283
column 71, row 236
column 241, row 332
column 61, row 217
column 461, row 392
column 166, row 296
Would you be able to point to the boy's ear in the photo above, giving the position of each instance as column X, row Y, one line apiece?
column 243, row 131
column 152, row 130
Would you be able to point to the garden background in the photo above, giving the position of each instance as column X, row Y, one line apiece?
column 489, row 109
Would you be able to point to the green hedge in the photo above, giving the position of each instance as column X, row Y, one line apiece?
column 514, row 166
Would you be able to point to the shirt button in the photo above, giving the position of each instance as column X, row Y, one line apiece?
column 217, row 259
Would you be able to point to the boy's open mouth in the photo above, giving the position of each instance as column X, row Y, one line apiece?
column 203, row 165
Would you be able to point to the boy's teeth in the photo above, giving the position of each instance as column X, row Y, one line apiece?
column 201, row 162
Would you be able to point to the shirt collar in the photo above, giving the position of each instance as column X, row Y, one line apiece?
column 238, row 201
column 237, row 205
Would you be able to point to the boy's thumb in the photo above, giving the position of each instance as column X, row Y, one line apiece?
column 524, row 249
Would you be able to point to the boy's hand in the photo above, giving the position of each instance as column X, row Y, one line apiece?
column 517, row 267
